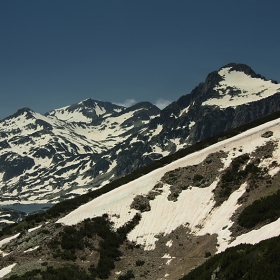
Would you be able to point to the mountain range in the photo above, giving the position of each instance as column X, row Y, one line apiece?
column 77, row 148
column 154, row 193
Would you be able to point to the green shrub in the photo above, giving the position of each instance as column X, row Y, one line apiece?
column 245, row 261
column 264, row 209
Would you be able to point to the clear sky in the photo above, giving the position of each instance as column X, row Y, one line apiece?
column 54, row 53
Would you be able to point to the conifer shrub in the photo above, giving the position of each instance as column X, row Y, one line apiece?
column 266, row 209
column 139, row 262
column 245, row 261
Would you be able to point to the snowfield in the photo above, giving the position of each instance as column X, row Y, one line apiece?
column 195, row 206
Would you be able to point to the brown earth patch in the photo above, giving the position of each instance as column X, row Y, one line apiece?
column 44, row 255
column 185, row 252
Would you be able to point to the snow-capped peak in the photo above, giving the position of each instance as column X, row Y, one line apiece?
column 85, row 111
column 238, row 88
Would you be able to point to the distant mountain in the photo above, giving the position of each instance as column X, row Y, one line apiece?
column 74, row 149
column 86, row 111
column 43, row 156
column 161, row 224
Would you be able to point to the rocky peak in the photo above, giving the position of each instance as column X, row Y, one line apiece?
column 144, row 105
column 211, row 81
column 91, row 103
column 85, row 111
column 239, row 67
column 23, row 111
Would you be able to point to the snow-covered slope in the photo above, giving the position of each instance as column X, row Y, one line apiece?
column 195, row 207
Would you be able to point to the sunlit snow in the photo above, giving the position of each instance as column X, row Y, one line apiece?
column 249, row 89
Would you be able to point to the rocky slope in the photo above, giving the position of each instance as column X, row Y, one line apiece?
column 163, row 224
column 71, row 150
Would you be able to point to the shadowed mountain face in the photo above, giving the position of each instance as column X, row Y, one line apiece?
column 68, row 151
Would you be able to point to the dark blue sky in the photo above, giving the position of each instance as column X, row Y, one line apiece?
column 58, row 52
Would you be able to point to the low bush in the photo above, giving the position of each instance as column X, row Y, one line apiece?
column 265, row 209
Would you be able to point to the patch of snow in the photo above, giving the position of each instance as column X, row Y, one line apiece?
column 109, row 132
column 168, row 262
column 156, row 131
column 179, row 145
column 166, row 256
column 191, row 124
column 184, row 111
column 8, row 239
column 32, row 229
column 255, row 236
column 135, row 140
column 219, row 219
column 112, row 166
column 99, row 110
column 5, row 215
column 31, row 249
column 5, row 241
column 6, row 270
column 169, row 243
column 173, row 116
column 79, row 191
column 6, row 221
column 274, row 171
